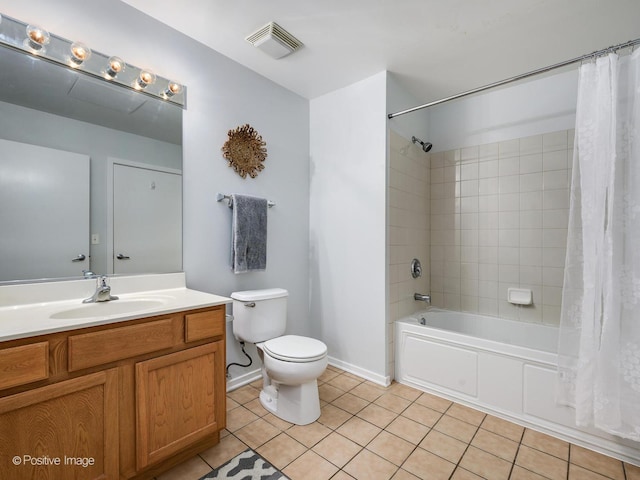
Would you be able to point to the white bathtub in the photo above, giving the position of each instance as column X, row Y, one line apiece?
column 503, row 367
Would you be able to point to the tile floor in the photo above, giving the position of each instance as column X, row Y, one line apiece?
column 369, row 432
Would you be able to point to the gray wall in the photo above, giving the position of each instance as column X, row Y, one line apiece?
column 221, row 95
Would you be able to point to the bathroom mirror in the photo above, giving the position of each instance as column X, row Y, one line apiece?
column 45, row 107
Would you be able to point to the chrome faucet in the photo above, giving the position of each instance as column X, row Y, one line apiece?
column 421, row 297
column 102, row 293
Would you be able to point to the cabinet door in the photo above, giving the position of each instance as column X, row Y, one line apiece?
column 64, row 431
column 179, row 400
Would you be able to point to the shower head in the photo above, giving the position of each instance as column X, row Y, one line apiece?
column 426, row 146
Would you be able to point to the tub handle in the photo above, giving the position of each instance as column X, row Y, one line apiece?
column 421, row 297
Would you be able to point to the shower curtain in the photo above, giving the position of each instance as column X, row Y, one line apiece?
column 599, row 343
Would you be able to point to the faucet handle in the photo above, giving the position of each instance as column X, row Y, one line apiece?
column 102, row 281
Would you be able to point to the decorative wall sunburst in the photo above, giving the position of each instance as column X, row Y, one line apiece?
column 245, row 151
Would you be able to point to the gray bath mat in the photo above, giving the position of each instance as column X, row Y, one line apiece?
column 247, row 465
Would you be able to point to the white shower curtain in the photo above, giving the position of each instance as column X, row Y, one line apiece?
column 599, row 344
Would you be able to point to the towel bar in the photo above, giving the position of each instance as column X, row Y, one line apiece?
column 221, row 196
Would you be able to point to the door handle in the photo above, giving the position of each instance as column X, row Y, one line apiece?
column 79, row 258
column 122, row 257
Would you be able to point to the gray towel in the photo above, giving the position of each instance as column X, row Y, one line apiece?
column 248, row 234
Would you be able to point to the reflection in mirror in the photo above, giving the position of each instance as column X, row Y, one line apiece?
column 63, row 134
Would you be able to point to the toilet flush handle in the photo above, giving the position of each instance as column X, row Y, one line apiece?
column 250, row 304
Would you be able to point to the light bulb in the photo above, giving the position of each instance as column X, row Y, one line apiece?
column 116, row 65
column 37, row 38
column 79, row 53
column 145, row 79
column 172, row 89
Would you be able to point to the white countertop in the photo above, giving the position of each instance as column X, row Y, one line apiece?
column 27, row 310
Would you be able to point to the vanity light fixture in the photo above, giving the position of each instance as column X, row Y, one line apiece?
column 37, row 39
column 172, row 89
column 79, row 53
column 115, row 66
column 145, row 79
column 78, row 56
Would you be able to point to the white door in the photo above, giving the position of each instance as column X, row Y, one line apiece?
column 147, row 220
column 44, row 212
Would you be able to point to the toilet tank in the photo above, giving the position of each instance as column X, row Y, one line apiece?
column 259, row 315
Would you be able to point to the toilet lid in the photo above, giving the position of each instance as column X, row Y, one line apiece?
column 294, row 348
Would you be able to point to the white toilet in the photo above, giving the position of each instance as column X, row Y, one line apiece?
column 291, row 363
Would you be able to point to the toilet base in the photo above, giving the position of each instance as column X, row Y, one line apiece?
column 297, row 404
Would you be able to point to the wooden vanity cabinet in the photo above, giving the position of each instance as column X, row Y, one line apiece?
column 137, row 397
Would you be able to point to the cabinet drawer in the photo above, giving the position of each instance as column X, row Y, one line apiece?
column 25, row 364
column 204, row 325
column 97, row 348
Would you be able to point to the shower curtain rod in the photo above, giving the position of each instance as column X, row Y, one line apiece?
column 630, row 43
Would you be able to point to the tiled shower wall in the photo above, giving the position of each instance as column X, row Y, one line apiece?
column 499, row 216
column 408, row 234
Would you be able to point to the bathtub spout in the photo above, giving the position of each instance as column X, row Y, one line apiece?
column 421, row 297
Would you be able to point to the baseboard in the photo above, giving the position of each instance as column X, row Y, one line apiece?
column 244, row 379
column 385, row 381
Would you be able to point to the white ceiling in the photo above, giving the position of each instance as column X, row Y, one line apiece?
column 435, row 47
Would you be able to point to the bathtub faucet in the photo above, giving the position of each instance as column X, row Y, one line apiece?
column 421, row 297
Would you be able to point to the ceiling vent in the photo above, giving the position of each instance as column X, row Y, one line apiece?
column 274, row 40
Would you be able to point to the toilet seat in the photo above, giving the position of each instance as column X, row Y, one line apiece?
column 295, row 348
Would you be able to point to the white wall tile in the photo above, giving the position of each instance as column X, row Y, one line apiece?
column 488, row 151
column 488, row 186
column 554, row 257
column 531, row 237
column 488, row 203
column 488, row 272
column 508, row 256
column 555, row 179
column 531, row 182
column 555, row 141
column 489, row 169
column 509, row 148
column 554, row 237
column 488, row 255
column 509, row 238
column 555, row 218
column 554, row 160
column 555, row 199
column 530, row 256
column 509, row 166
column 531, row 163
column 488, row 237
column 531, row 200
column 509, row 202
column 531, row 275
column 553, row 276
column 529, row 145
column 509, row 184
column 488, row 306
column 509, row 274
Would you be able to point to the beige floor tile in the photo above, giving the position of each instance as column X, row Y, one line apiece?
column 423, row 415
column 345, row 382
column 403, row 475
column 333, row 368
column 404, row 391
column 192, row 469
column 503, row 427
column 337, row 449
column 258, row 384
column 327, row 375
column 281, row 450
column 342, row 476
column 224, row 432
column 350, row 403
column 257, row 433
column 545, row 443
column 541, row 463
column 455, row 428
column 444, row 446
column 310, row 434
column 238, row 418
column 277, row 422
column 596, row 462
column 367, row 465
column 405, row 428
column 359, row 431
column 578, row 473
column 332, row 416
column 485, row 465
column 310, row 466
column 466, row 414
column 495, row 444
column 256, row 407
column 632, row 471
column 434, row 402
column 391, row 448
column 427, row 466
column 231, row 404
column 224, row 451
column 392, row 402
column 462, row 474
column 368, row 391
column 329, row 393
column 380, row 417
column 244, row 394
column 519, row 473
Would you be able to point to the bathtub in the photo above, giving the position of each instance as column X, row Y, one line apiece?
column 503, row 367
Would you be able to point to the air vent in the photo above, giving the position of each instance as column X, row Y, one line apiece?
column 274, row 40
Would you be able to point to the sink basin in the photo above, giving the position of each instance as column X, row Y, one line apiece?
column 105, row 309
